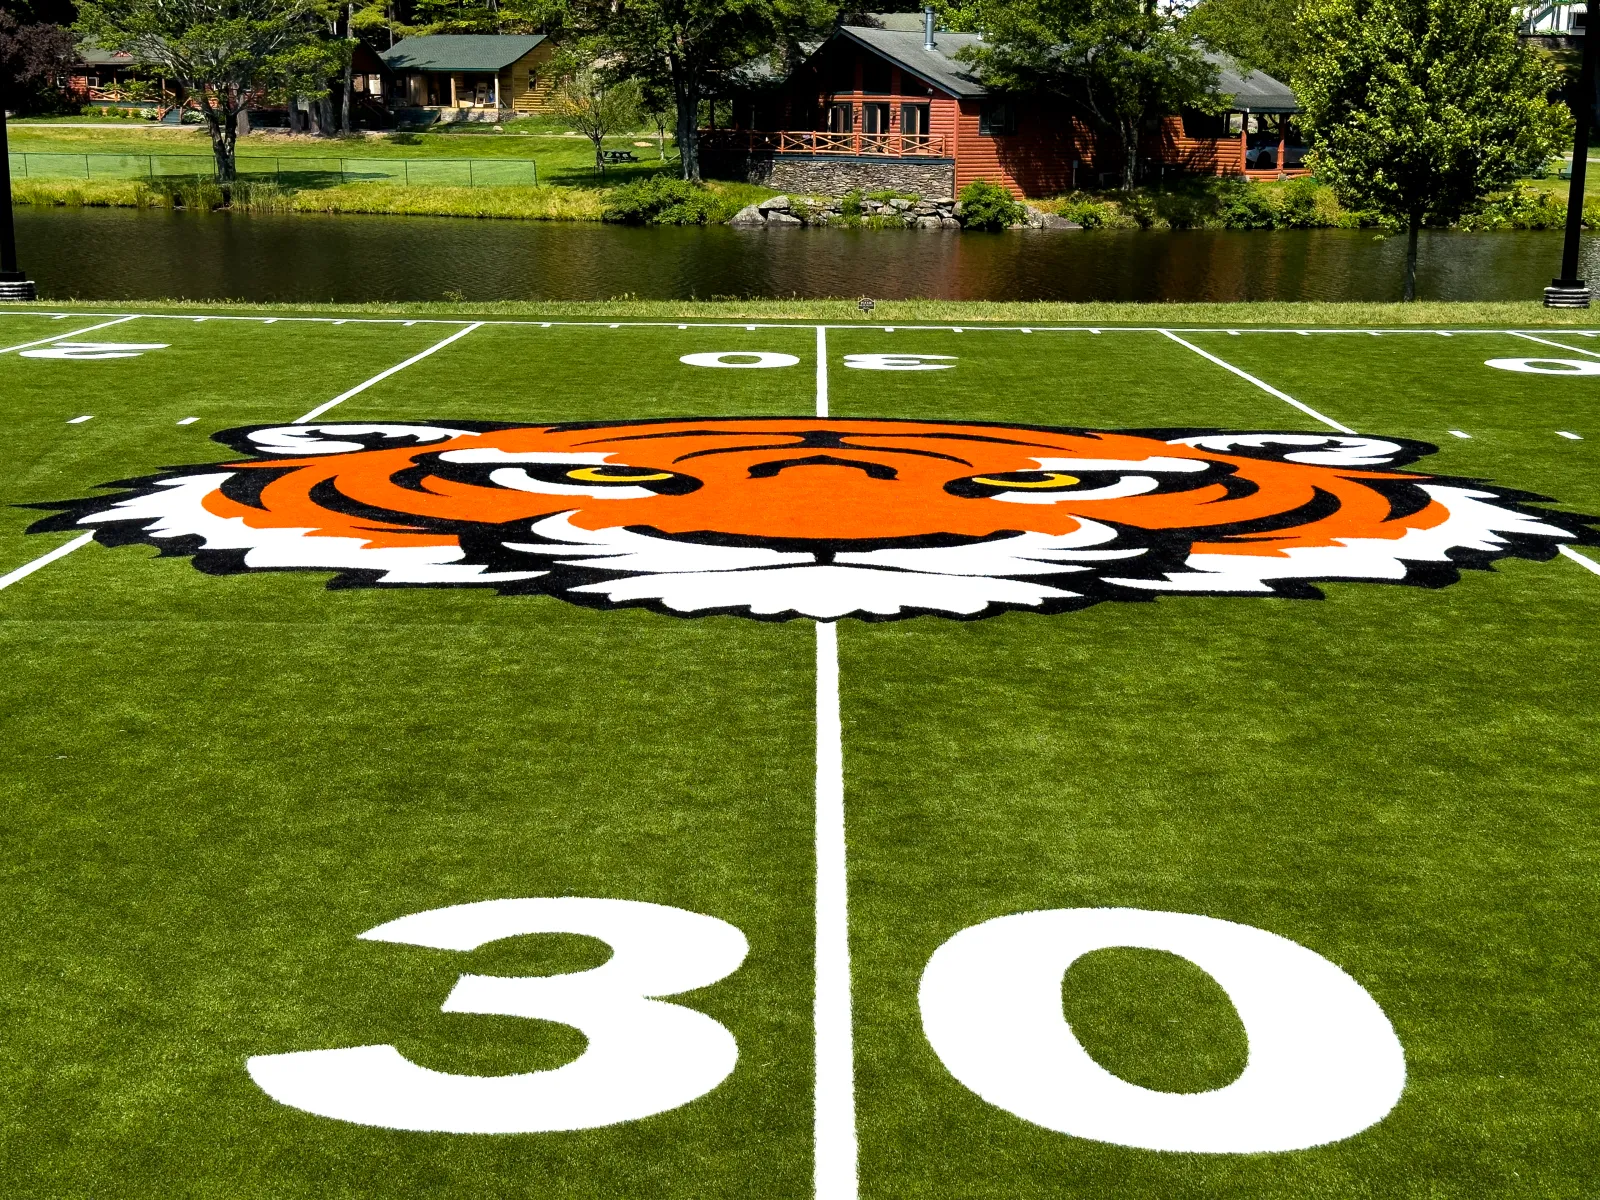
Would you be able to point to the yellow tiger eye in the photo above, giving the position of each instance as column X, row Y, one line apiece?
column 1052, row 479
column 592, row 475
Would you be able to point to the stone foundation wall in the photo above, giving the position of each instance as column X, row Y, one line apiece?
column 822, row 175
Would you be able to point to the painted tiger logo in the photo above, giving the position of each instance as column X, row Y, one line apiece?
column 780, row 517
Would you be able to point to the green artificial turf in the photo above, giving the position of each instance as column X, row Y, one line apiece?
column 210, row 785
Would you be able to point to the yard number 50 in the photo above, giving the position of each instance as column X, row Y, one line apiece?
column 1323, row 1064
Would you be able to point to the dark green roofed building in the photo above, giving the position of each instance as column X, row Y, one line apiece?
column 471, row 76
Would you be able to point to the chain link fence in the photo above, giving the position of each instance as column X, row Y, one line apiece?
column 287, row 172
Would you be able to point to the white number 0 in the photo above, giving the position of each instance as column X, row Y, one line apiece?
column 644, row 1056
column 1323, row 1062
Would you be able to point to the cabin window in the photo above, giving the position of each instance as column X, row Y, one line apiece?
column 914, row 119
column 997, row 118
column 1204, row 125
column 841, row 118
column 874, row 75
column 874, row 118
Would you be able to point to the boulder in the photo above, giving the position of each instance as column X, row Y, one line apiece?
column 926, row 222
column 748, row 215
column 782, row 218
column 1057, row 221
column 955, row 209
column 949, row 223
column 899, row 205
column 774, row 204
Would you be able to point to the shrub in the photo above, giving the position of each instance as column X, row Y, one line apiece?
column 1243, row 205
column 988, row 206
column 663, row 200
column 850, row 205
column 1520, row 208
column 1297, row 205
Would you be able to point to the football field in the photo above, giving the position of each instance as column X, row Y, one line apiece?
column 523, row 758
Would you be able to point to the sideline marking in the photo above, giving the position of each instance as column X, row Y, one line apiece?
column 382, row 375
column 834, row 1121
column 1569, row 436
column 188, row 420
column 1458, row 433
column 61, row 337
column 80, row 420
column 1265, row 387
column 1582, row 560
column 822, row 370
column 44, row 560
column 1547, row 342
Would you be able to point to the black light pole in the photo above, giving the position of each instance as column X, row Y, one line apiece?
column 14, row 285
column 1569, row 291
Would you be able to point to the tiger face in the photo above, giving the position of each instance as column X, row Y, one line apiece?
column 781, row 517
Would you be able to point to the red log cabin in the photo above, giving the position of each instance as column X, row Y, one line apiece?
column 887, row 104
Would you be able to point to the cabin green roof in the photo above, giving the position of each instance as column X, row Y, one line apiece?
column 460, row 51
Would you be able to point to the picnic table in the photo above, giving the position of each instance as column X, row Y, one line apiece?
column 618, row 156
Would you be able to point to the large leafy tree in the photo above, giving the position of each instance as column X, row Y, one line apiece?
column 1259, row 35
column 32, row 54
column 1417, row 109
column 686, row 45
column 1116, row 62
column 220, row 50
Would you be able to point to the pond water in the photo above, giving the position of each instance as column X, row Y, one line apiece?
column 122, row 254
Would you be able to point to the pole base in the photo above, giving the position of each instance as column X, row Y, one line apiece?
column 1566, row 293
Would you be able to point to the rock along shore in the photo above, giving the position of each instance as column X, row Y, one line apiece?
column 937, row 213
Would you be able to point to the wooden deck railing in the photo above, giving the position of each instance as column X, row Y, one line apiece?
column 805, row 141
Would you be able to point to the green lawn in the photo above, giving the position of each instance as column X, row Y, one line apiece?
column 561, row 159
column 213, row 783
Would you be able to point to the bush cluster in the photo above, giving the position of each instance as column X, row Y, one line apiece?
column 663, row 200
column 987, row 205
column 1520, row 208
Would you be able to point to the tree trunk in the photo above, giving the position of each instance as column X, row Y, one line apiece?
column 219, row 117
column 349, row 66
column 1128, row 133
column 1411, row 256
column 686, row 90
column 599, row 158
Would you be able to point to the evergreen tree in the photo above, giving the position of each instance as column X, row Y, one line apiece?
column 1417, row 109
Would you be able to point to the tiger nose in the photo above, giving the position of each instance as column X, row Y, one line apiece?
column 874, row 470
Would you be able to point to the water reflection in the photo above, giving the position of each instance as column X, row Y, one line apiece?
column 119, row 254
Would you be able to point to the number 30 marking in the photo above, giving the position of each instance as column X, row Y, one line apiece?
column 1323, row 1065
column 644, row 1056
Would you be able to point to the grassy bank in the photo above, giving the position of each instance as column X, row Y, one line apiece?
column 1426, row 313
column 516, row 203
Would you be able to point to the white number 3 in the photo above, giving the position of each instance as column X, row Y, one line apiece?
column 644, row 1056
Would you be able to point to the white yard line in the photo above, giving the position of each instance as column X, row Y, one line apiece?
column 1582, row 560
column 1264, row 386
column 822, row 370
column 61, row 337
column 44, row 560
column 1547, row 342
column 834, row 1121
column 382, row 375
